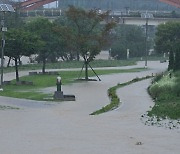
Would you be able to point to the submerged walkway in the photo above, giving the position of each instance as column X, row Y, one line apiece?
column 67, row 127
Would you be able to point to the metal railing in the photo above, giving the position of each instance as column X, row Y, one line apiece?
column 132, row 13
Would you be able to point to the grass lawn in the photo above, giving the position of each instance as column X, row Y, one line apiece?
column 166, row 92
column 44, row 81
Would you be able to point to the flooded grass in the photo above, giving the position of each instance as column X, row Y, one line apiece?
column 3, row 107
column 44, row 81
column 115, row 101
column 73, row 64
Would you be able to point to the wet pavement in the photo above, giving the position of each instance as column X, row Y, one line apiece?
column 67, row 127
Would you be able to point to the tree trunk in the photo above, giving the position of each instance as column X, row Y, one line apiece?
column 177, row 60
column 20, row 62
column 9, row 62
column 44, row 65
column 171, row 60
column 78, row 56
column 86, row 70
column 16, row 67
column 71, row 56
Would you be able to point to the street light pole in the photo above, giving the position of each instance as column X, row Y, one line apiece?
column 2, row 46
column 3, row 8
column 146, row 53
column 146, row 16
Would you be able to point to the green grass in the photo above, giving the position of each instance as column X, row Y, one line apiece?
column 166, row 93
column 165, row 109
column 44, row 81
column 115, row 101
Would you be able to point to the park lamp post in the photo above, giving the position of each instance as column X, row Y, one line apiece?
column 4, row 8
column 146, row 16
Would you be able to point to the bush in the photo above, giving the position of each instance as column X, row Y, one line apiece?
column 166, row 92
column 157, row 78
column 161, row 92
column 154, row 91
column 176, row 89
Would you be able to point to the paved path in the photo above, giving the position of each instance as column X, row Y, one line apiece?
column 67, row 127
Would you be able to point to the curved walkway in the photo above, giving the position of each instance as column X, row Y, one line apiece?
column 67, row 127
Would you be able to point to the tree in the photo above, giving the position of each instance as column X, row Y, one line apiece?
column 167, row 41
column 43, row 28
column 128, row 37
column 13, row 20
column 19, row 43
column 66, row 44
column 90, row 35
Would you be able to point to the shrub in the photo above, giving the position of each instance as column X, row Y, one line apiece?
column 176, row 89
column 157, row 78
column 161, row 92
column 166, row 92
column 154, row 91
